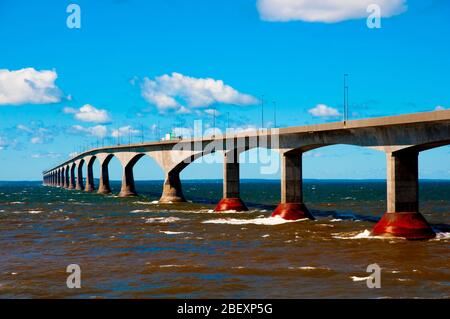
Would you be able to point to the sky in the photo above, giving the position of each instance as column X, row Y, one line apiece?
column 138, row 69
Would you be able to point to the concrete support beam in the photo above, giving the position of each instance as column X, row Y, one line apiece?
column 72, row 176
column 402, row 218
column 291, row 206
column 79, row 183
column 90, row 187
column 128, row 160
column 291, row 178
column 66, row 177
column 231, row 191
column 172, row 189
column 104, row 186
column 231, row 175
column 402, row 182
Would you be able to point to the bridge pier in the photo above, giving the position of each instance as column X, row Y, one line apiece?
column 103, row 186
column 90, row 187
column 71, row 176
column 172, row 189
column 231, row 192
column 402, row 218
column 291, row 206
column 128, row 160
column 79, row 183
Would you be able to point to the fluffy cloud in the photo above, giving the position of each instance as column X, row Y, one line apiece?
column 3, row 143
column 328, row 11
column 46, row 155
column 322, row 110
column 40, row 136
column 98, row 131
column 88, row 113
column 180, row 93
column 439, row 108
column 28, row 86
column 124, row 131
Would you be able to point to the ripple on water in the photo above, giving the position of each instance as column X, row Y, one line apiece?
column 276, row 220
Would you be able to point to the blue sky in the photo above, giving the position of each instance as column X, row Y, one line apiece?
column 110, row 75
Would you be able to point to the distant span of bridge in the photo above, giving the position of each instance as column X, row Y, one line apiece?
column 401, row 137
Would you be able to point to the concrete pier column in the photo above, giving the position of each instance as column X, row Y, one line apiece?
column 402, row 218
column 231, row 195
column 71, row 176
column 79, row 183
column 60, row 178
column 90, row 187
column 172, row 189
column 66, row 177
column 291, row 206
column 103, row 186
column 128, row 160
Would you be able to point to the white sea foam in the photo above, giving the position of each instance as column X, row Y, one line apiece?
column 336, row 220
column 355, row 278
column 146, row 203
column 265, row 236
column 276, row 220
column 171, row 266
column 167, row 232
column 366, row 234
column 309, row 268
column 16, row 203
column 441, row 236
column 35, row 211
column 162, row 220
column 140, row 211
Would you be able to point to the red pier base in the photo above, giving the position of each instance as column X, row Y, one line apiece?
column 235, row 204
column 410, row 225
column 292, row 211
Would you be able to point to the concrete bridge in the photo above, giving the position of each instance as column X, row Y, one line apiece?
column 402, row 138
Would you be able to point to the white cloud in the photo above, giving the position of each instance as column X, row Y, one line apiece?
column 88, row 113
column 212, row 112
column 439, row 108
column 28, row 86
column 3, row 143
column 98, row 131
column 179, row 92
column 322, row 110
column 41, row 136
column 46, row 155
column 37, row 140
column 328, row 11
column 124, row 131
column 24, row 128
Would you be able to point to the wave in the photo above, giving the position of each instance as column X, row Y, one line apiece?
column 355, row 278
column 146, row 203
column 162, row 220
column 167, row 232
column 366, row 234
column 441, row 236
column 276, row 220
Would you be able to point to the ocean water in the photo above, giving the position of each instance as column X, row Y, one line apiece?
column 137, row 248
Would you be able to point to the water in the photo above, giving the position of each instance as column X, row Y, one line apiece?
column 135, row 248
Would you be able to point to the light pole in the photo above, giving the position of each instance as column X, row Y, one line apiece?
column 262, row 111
column 274, row 114
column 345, row 98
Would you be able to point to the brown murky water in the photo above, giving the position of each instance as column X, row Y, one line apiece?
column 135, row 248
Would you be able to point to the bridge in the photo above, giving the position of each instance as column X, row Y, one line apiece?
column 401, row 137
